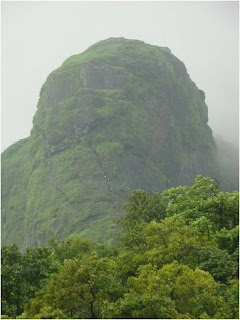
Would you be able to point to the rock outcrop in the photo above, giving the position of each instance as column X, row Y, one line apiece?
column 123, row 115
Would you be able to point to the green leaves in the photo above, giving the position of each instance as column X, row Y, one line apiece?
column 80, row 288
column 219, row 263
column 12, row 281
column 174, row 291
column 22, row 276
column 203, row 199
column 142, row 206
column 72, row 248
column 177, row 258
column 172, row 240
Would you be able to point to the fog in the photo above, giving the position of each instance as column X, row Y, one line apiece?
column 38, row 36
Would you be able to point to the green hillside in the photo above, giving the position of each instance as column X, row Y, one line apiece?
column 123, row 115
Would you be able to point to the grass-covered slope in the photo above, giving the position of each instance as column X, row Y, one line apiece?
column 123, row 115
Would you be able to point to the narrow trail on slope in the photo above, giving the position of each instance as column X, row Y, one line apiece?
column 106, row 178
column 50, row 153
column 107, row 182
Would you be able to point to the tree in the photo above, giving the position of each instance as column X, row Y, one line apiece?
column 79, row 289
column 229, row 239
column 22, row 275
column 174, row 291
column 183, row 265
column 140, row 209
column 231, row 295
column 38, row 264
column 71, row 248
column 141, row 206
column 13, row 289
column 219, row 263
column 173, row 239
column 203, row 199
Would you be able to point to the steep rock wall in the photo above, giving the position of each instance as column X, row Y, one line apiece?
column 123, row 115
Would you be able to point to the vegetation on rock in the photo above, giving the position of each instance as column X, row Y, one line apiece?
column 123, row 115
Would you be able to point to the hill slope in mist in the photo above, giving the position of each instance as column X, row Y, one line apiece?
column 228, row 159
column 123, row 115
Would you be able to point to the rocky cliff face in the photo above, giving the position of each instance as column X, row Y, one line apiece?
column 123, row 115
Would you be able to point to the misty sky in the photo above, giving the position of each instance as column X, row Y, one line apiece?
column 38, row 36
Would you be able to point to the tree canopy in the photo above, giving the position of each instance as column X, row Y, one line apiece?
column 177, row 257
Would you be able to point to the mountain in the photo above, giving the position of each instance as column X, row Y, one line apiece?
column 123, row 115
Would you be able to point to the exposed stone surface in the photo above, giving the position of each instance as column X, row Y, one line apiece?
column 121, row 116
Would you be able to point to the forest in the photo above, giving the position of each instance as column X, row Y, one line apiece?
column 176, row 258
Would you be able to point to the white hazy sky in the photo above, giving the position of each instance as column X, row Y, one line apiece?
column 38, row 36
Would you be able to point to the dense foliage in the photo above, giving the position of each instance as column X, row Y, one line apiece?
column 177, row 258
column 121, row 116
